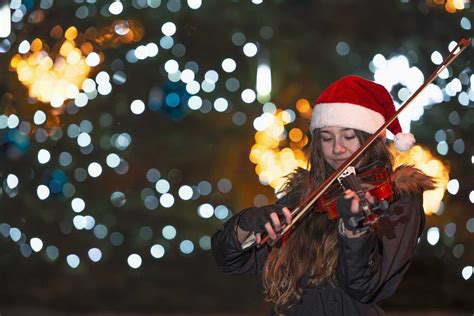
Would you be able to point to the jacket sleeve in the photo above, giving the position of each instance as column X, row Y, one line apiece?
column 230, row 256
column 370, row 267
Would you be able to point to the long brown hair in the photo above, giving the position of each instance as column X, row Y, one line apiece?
column 308, row 256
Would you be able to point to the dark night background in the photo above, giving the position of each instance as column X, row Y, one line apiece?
column 302, row 40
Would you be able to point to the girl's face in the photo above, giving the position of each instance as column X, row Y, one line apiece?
column 338, row 144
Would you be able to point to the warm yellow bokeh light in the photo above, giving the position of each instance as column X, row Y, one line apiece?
column 272, row 162
column 452, row 6
column 71, row 33
column 36, row 45
column 296, row 135
column 424, row 160
column 53, row 77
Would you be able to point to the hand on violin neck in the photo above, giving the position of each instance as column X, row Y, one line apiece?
column 355, row 200
column 268, row 219
column 349, row 208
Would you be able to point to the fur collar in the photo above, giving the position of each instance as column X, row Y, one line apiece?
column 408, row 179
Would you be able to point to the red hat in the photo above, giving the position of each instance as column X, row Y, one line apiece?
column 354, row 102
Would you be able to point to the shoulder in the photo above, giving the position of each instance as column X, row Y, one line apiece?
column 408, row 179
column 294, row 188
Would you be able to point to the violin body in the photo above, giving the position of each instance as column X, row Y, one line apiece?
column 375, row 181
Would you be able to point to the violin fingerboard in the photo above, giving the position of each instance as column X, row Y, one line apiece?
column 351, row 182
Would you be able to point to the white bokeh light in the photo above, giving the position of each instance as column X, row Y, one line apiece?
column 467, row 272
column 162, row 186
column 104, row 88
column 102, row 77
column 137, row 107
column 83, row 140
column 141, row 52
column 39, row 117
column 195, row 102
column 88, row 85
column 187, row 76
column 453, row 186
column 167, row 200
column 12, row 181
column 24, row 47
column 78, row 205
column 93, row 59
column 13, row 121
column 193, row 87
column 113, row 160
column 229, row 65
column 79, row 222
column 433, row 235
column 169, row 232
column 157, row 251
column 186, row 246
column 211, row 76
column 206, row 210
column 194, row 4
column 134, row 261
column 73, row 261
column 185, row 192
column 43, row 192
column 43, row 156
column 250, row 49
column 171, row 66
column 94, row 254
column 36, row 244
column 221, row 212
column 436, row 58
column 221, row 104
column 152, row 49
column 89, row 222
column 471, row 196
column 168, row 29
column 116, row 7
column 94, row 169
column 248, row 96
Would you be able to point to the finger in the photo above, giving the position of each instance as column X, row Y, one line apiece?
column 270, row 231
column 370, row 197
column 349, row 194
column 276, row 221
column 258, row 238
column 287, row 214
column 355, row 205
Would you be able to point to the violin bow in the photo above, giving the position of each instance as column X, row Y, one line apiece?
column 306, row 204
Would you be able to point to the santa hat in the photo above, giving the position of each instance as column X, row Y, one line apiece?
column 354, row 102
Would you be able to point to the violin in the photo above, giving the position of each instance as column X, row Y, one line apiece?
column 376, row 181
column 320, row 192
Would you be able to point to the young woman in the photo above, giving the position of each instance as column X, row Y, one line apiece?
column 330, row 267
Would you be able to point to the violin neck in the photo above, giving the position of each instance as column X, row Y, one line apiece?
column 351, row 182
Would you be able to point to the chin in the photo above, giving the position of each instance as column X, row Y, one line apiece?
column 337, row 164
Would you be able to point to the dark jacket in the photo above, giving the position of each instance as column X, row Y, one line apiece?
column 370, row 267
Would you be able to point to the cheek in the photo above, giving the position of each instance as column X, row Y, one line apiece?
column 353, row 146
column 326, row 149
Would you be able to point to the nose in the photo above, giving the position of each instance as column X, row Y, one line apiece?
column 338, row 148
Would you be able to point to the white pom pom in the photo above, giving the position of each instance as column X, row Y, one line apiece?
column 404, row 141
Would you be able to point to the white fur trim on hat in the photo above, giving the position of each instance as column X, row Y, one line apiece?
column 346, row 115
